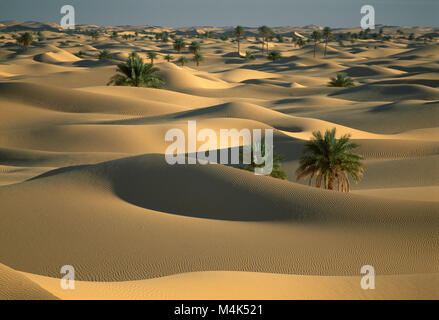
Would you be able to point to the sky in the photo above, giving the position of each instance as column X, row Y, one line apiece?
column 250, row 13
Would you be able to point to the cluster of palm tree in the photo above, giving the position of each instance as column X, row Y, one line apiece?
column 267, row 34
column 25, row 39
column 134, row 72
column 330, row 161
column 317, row 36
column 194, row 48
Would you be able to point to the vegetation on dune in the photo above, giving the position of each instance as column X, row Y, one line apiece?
column 341, row 80
column 105, row 55
column 95, row 35
column 134, row 72
column 275, row 173
column 316, row 37
column 25, row 39
column 266, row 34
column 280, row 38
column 179, row 44
column 80, row 54
column 327, row 34
column 41, row 36
column 194, row 47
column 249, row 56
column 197, row 58
column 300, row 42
column 330, row 161
column 239, row 33
column 152, row 56
column 114, row 35
column 168, row 57
column 274, row 55
column 182, row 61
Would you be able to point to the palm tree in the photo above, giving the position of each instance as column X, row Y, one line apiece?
column 239, row 33
column 105, row 55
column 25, row 39
column 168, row 57
column 197, row 58
column 327, row 34
column 330, row 161
column 249, row 56
column 134, row 72
column 316, row 37
column 274, row 55
column 266, row 33
column 194, row 47
column 95, row 35
column 182, row 61
column 179, row 44
column 152, row 56
column 276, row 170
column 341, row 80
column 114, row 35
column 300, row 42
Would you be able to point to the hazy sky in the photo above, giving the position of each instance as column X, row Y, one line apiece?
column 177, row 13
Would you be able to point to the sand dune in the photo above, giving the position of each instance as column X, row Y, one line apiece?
column 84, row 181
column 238, row 285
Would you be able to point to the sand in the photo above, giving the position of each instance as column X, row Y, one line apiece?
column 84, row 182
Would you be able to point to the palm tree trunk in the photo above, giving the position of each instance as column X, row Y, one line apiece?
column 331, row 180
column 239, row 47
column 326, row 44
column 315, row 46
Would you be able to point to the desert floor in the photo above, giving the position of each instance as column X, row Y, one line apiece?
column 84, row 182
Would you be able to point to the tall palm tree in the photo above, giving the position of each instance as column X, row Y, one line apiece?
column 327, row 34
column 25, row 39
column 152, row 56
column 316, row 37
column 330, row 161
column 194, row 47
column 182, row 61
column 266, row 34
column 239, row 33
column 179, row 44
column 197, row 58
column 134, row 72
